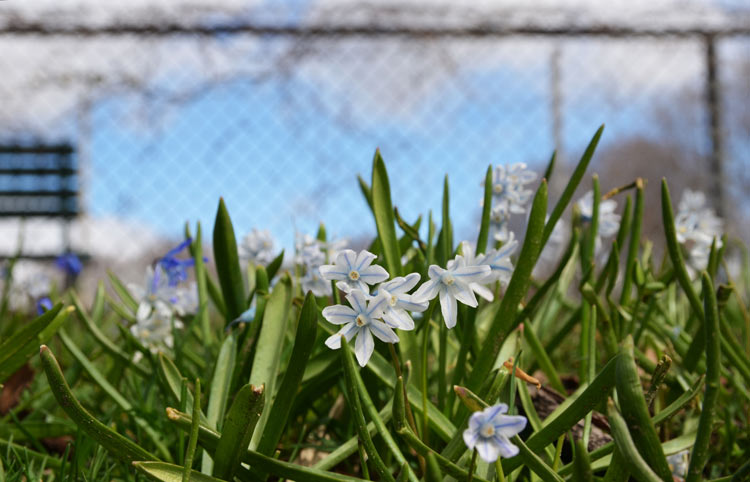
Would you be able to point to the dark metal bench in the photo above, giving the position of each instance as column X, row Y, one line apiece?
column 39, row 180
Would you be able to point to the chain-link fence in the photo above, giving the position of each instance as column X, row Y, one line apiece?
column 280, row 119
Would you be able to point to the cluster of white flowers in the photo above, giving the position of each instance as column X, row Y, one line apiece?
column 388, row 308
column 257, row 247
column 160, row 304
column 509, row 196
column 309, row 256
column 697, row 225
column 609, row 220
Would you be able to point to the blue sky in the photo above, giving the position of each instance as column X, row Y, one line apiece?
column 285, row 155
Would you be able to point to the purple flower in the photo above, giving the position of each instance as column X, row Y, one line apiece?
column 43, row 304
column 69, row 263
column 176, row 269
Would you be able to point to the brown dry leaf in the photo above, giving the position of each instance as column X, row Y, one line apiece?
column 522, row 374
column 14, row 387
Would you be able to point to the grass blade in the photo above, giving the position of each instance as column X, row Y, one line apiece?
column 112, row 392
column 193, row 440
column 209, row 439
column 108, row 345
column 572, row 185
column 237, row 430
column 382, row 209
column 627, row 448
column 557, row 423
column 122, row 292
column 228, row 264
column 118, row 446
column 636, row 414
column 269, row 346
column 517, row 288
column 304, row 342
column 164, row 472
column 219, row 394
column 699, row 455
column 675, row 253
column 16, row 350
column 200, row 280
column 356, row 410
column 484, row 227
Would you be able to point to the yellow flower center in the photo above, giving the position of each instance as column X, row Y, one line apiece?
column 354, row 275
column 498, row 188
column 488, row 430
column 448, row 279
column 393, row 300
column 361, row 320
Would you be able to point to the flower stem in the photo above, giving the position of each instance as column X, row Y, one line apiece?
column 472, row 466
column 397, row 366
column 499, row 470
column 425, row 343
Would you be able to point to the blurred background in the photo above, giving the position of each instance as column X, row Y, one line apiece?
column 120, row 121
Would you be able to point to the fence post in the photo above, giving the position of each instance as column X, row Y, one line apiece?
column 713, row 104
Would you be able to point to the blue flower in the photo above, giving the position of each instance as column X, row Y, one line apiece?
column 69, row 263
column 490, row 431
column 43, row 304
column 176, row 269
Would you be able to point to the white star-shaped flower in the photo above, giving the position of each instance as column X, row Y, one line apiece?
column 696, row 226
column 360, row 320
column 509, row 186
column 354, row 271
column 399, row 302
column 153, row 325
column 257, row 247
column 452, row 285
column 490, row 431
column 498, row 260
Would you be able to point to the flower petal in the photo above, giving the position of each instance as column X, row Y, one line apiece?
column 357, row 299
column 332, row 272
column 470, row 274
column 509, row 425
column 435, row 271
column 504, row 447
column 364, row 346
column 476, row 420
column 488, row 449
column 398, row 318
column 144, row 310
column 364, row 258
column 334, row 341
column 339, row 314
column 376, row 307
column 401, row 284
column 470, row 437
column 344, row 286
column 427, row 291
column 373, row 274
column 463, row 293
column 383, row 331
column 345, row 260
column 482, row 291
column 449, row 308
column 407, row 303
